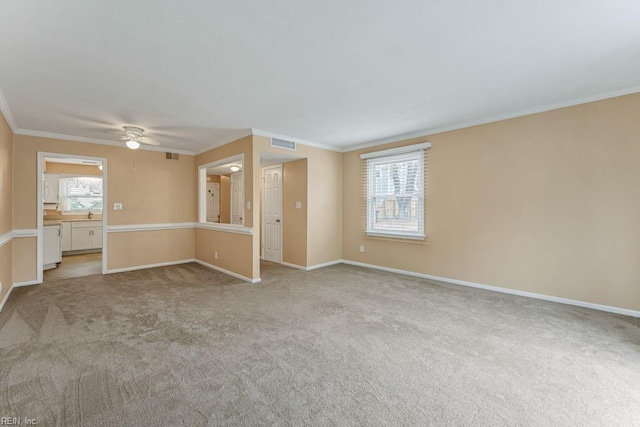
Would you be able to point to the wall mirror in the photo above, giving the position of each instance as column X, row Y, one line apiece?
column 221, row 191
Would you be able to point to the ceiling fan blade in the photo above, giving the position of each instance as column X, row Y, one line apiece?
column 146, row 141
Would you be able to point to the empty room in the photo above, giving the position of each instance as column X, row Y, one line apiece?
column 319, row 213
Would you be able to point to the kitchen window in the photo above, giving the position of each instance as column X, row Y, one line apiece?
column 80, row 194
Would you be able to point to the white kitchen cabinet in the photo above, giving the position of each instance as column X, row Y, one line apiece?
column 51, row 188
column 86, row 235
column 52, row 248
column 66, row 237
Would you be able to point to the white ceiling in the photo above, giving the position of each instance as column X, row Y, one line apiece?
column 196, row 74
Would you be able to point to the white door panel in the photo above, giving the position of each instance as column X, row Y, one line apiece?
column 272, row 214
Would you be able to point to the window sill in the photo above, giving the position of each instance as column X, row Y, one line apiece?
column 396, row 235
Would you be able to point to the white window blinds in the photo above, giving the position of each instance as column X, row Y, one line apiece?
column 395, row 192
column 80, row 194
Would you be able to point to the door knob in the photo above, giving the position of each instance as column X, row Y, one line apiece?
column 277, row 220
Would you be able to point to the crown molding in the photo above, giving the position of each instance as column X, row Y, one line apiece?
column 534, row 110
column 40, row 134
column 269, row 134
column 6, row 112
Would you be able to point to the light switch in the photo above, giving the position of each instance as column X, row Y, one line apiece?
column 298, row 205
column 117, row 206
column 248, row 204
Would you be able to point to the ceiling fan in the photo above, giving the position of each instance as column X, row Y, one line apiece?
column 134, row 137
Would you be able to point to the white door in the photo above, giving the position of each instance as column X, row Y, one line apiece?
column 272, row 215
column 213, row 202
column 237, row 197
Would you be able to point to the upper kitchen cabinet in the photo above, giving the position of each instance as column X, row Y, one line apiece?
column 51, row 191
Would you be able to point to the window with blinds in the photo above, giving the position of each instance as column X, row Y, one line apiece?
column 80, row 194
column 395, row 192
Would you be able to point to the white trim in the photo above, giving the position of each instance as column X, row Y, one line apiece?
column 324, row 264
column 397, row 150
column 227, row 272
column 149, row 227
column 26, row 283
column 401, row 236
column 6, row 297
column 27, row 232
column 269, row 134
column 296, row 266
column 312, row 267
column 227, row 228
column 600, row 307
column 6, row 238
column 64, row 137
column 143, row 267
column 6, row 112
column 41, row 155
column 492, row 119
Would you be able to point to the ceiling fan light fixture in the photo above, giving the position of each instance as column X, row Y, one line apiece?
column 234, row 168
column 133, row 144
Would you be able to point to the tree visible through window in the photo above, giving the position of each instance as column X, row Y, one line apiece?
column 80, row 194
column 395, row 195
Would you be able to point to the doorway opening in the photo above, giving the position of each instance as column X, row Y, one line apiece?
column 71, row 216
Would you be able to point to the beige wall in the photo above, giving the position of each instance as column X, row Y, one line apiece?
column 294, row 220
column 155, row 190
column 546, row 203
column 6, row 205
column 150, row 247
column 235, row 251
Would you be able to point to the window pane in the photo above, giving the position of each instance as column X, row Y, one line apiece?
column 81, row 194
column 395, row 194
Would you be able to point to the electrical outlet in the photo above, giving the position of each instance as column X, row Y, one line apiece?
column 215, row 254
column 117, row 206
column 361, row 248
column 298, row 205
column 248, row 204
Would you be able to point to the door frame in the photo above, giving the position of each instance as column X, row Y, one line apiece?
column 264, row 216
column 40, row 212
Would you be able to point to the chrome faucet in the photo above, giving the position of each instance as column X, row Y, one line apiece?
column 90, row 215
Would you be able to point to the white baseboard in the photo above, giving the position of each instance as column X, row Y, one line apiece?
column 600, row 307
column 27, row 283
column 325, row 264
column 296, row 266
column 6, row 297
column 12, row 287
column 230, row 273
column 142, row 267
column 312, row 267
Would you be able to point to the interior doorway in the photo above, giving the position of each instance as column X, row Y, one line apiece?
column 71, row 239
column 272, row 214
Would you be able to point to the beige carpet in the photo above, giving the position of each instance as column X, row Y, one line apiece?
column 338, row 346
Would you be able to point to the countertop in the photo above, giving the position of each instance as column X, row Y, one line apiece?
column 52, row 222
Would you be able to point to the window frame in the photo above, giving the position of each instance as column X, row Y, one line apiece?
column 83, row 211
column 386, row 157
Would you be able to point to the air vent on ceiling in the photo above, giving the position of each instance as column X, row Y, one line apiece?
column 173, row 156
column 280, row 143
